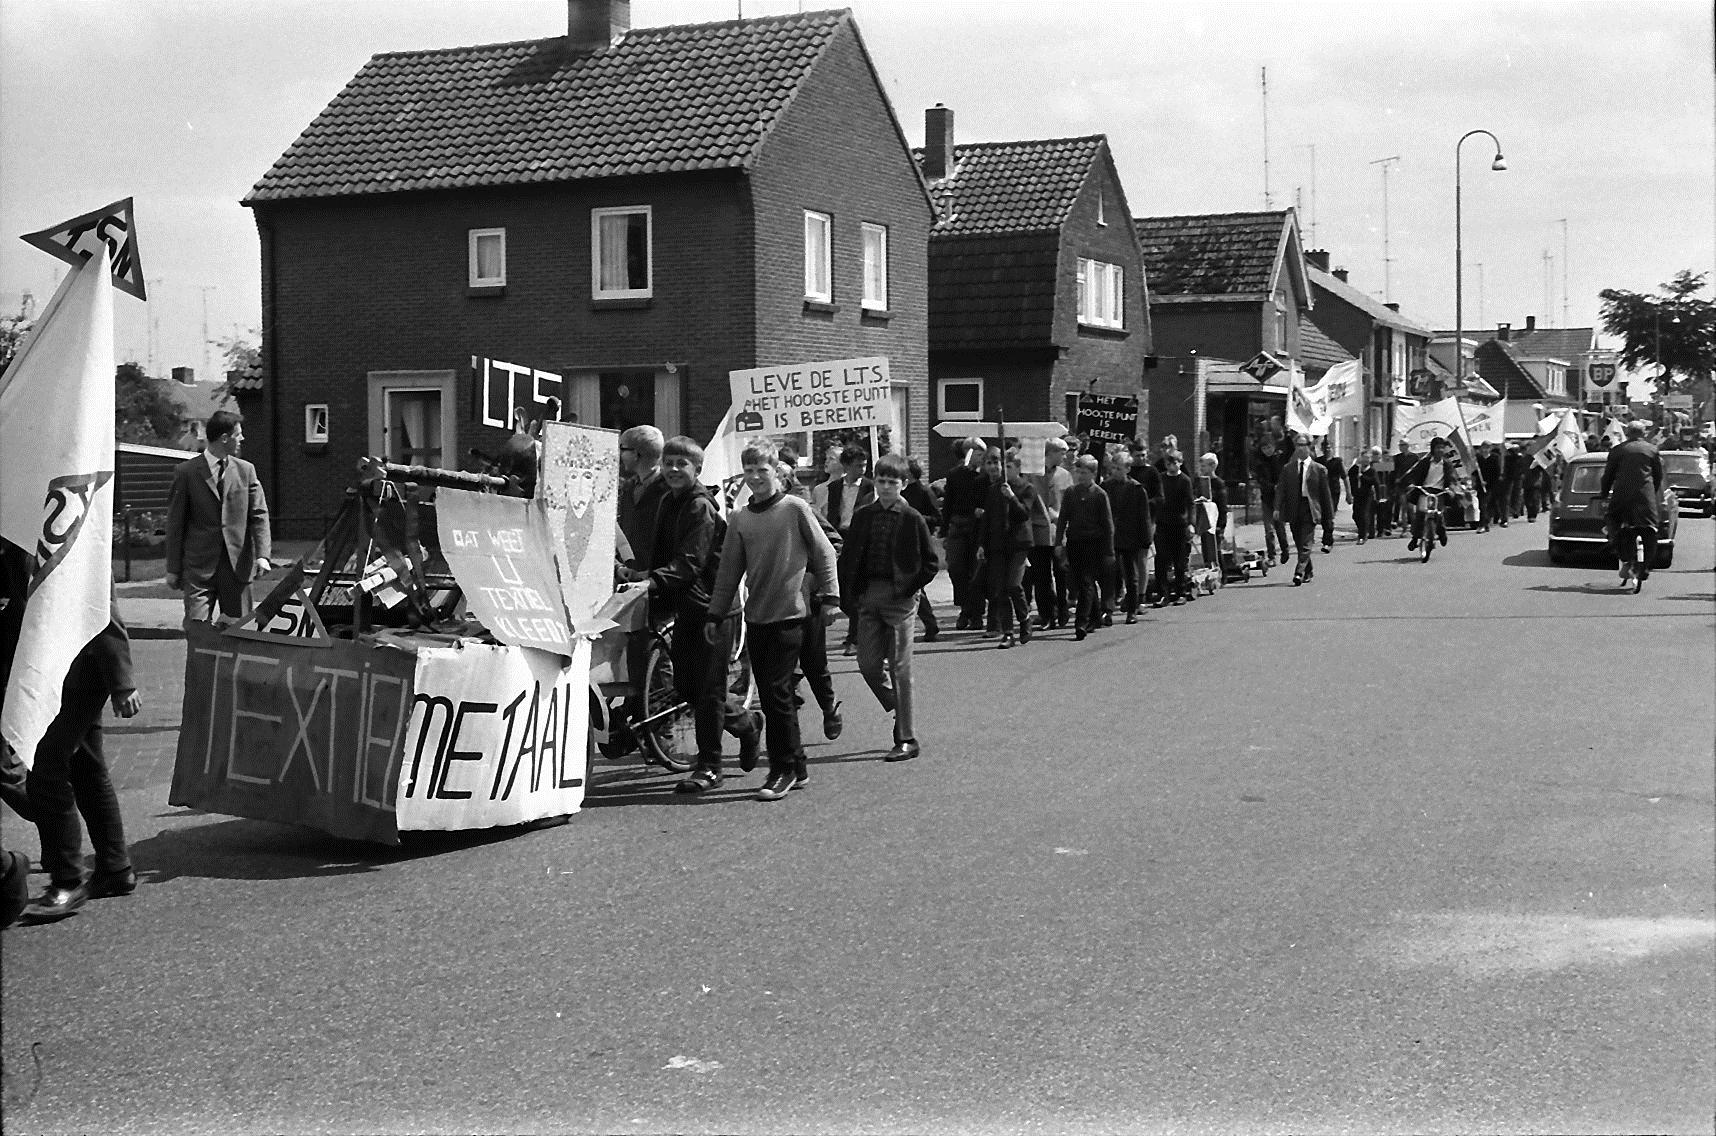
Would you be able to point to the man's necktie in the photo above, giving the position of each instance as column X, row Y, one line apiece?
column 220, row 479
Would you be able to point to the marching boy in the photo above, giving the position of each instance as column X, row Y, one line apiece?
column 772, row 542
column 887, row 560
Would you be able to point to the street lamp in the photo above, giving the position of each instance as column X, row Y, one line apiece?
column 1459, row 295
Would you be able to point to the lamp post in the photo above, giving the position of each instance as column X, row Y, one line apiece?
column 1499, row 163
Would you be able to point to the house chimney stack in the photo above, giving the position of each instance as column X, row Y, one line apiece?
column 938, row 142
column 1531, row 323
column 1318, row 259
column 1503, row 330
column 1340, row 274
column 592, row 25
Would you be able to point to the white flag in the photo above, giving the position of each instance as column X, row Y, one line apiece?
column 1569, row 442
column 56, row 491
column 1308, row 406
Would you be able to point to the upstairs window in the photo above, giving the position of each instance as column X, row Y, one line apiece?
column 875, row 268
column 1101, row 294
column 1101, row 212
column 487, row 258
column 1281, row 343
column 818, row 257
column 620, row 253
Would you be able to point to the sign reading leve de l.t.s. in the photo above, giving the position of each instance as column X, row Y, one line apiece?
column 836, row 395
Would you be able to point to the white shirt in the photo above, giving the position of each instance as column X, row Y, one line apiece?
column 214, row 470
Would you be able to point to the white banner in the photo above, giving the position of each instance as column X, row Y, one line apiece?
column 1419, row 424
column 1308, row 406
column 579, row 489
column 497, row 736
column 56, row 492
column 840, row 394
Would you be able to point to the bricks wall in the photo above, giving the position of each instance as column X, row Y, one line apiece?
column 1113, row 362
column 837, row 150
column 1016, row 381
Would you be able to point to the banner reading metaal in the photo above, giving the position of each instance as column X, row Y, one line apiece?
column 837, row 395
column 497, row 736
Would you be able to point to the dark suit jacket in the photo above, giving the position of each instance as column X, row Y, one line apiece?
column 1632, row 481
column 203, row 522
column 837, row 495
column 913, row 555
column 1289, row 497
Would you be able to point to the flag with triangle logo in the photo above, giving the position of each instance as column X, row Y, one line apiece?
column 56, row 491
column 110, row 227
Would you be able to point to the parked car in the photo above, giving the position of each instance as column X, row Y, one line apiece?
column 1577, row 518
column 1689, row 472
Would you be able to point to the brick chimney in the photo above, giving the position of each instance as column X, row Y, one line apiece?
column 1531, row 323
column 938, row 142
column 1318, row 259
column 592, row 25
column 1503, row 330
column 1340, row 274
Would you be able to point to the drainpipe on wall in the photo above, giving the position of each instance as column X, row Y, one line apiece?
column 271, row 357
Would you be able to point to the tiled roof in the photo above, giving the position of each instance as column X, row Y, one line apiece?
column 1564, row 343
column 1012, row 187
column 1503, row 372
column 1211, row 254
column 1378, row 311
column 692, row 97
column 1317, row 351
column 995, row 253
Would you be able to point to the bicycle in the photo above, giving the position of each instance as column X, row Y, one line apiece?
column 1630, row 551
column 665, row 731
column 1428, row 525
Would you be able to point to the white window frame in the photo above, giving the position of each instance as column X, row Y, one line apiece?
column 315, row 423
column 597, row 292
column 943, row 414
column 819, row 272
column 1101, row 210
column 1101, row 294
column 875, row 267
column 474, row 272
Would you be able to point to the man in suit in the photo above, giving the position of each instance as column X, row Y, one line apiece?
column 217, row 526
column 1632, row 484
column 1303, row 501
column 838, row 500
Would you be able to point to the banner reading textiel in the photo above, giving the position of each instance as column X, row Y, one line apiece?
column 497, row 736
column 837, row 395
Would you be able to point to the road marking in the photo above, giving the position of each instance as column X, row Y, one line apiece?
column 1489, row 943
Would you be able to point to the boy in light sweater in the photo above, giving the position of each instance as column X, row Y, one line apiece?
column 772, row 542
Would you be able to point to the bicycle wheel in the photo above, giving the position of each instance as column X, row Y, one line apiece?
column 1427, row 543
column 667, row 732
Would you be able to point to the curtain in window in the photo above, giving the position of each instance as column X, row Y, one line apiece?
column 489, row 257
column 614, row 274
column 875, row 267
column 816, row 256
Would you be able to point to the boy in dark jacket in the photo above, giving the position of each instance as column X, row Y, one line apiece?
column 1173, row 534
column 1129, row 502
column 885, row 562
column 684, row 555
column 1085, row 528
column 1006, row 534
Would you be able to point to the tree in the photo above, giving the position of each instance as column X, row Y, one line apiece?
column 240, row 353
column 145, row 410
column 13, row 329
column 1674, row 332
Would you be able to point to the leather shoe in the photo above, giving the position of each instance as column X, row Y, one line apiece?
column 56, row 903
column 832, row 722
column 750, row 742
column 903, row 751
column 103, row 885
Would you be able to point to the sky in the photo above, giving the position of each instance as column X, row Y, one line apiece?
column 1605, row 113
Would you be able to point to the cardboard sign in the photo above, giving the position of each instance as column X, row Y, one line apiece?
column 500, row 551
column 286, row 730
column 497, row 736
column 1108, row 417
column 836, row 395
column 578, row 490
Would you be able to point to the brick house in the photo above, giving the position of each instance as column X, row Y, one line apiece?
column 623, row 215
column 1036, row 287
column 1389, row 346
column 1538, row 371
column 1226, row 289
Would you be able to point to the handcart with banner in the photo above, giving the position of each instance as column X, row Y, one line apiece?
column 437, row 663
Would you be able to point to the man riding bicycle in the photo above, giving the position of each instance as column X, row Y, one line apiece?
column 1432, row 475
column 1632, row 484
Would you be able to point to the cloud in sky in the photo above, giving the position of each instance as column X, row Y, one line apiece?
column 1604, row 109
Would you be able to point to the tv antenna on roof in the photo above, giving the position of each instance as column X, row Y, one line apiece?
column 1385, row 163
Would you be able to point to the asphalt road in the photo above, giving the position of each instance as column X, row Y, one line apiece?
column 1416, row 848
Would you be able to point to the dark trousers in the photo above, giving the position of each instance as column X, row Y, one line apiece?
column 1304, row 532
column 1005, row 572
column 773, row 649
column 1087, row 559
column 813, row 661
column 1621, row 541
column 926, row 614
column 1536, row 501
column 1040, row 583
column 1274, row 530
column 14, row 886
column 1365, row 515
column 700, row 678
column 1516, row 496
column 1495, row 506
column 70, row 777
column 1173, row 549
column 1129, row 567
column 961, row 546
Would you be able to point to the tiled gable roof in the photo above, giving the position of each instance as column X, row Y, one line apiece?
column 691, row 97
column 1011, row 187
column 1378, row 311
column 1565, row 343
column 1502, row 371
column 1317, row 351
column 1211, row 254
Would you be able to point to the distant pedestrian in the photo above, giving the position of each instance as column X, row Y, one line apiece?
column 1369, row 486
column 1174, row 529
column 1130, row 506
column 884, row 565
column 1492, row 469
column 1209, row 494
column 1632, row 485
column 839, row 498
column 1047, row 578
column 772, row 542
column 962, row 500
column 1085, row 528
column 218, row 538
column 640, row 492
column 919, row 497
column 1303, row 500
column 1006, row 542
column 1266, row 461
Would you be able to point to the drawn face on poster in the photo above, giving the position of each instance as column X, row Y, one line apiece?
column 580, row 482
